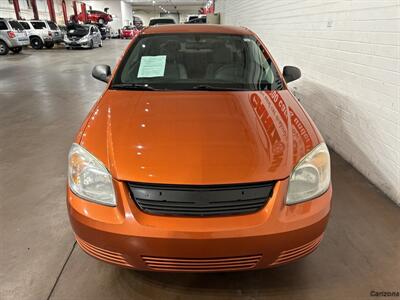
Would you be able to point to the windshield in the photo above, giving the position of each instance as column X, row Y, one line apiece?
column 52, row 25
column 77, row 30
column 15, row 25
column 197, row 61
column 161, row 21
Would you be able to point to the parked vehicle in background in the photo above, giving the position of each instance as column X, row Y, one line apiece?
column 114, row 34
column 82, row 36
column 191, row 17
column 42, row 33
column 128, row 32
column 12, row 36
column 108, row 32
column 103, row 30
column 161, row 21
column 96, row 16
column 201, row 20
column 137, row 22
column 63, row 30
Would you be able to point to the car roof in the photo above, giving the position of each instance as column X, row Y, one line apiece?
column 188, row 28
column 162, row 18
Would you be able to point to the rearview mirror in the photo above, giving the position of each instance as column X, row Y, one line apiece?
column 102, row 72
column 291, row 73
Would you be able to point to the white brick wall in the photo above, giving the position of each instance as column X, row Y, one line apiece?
column 349, row 54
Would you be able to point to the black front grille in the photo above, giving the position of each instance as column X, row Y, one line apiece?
column 212, row 200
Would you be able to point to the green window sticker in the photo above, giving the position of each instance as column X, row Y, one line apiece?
column 152, row 66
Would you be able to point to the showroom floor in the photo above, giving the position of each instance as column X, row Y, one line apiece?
column 44, row 97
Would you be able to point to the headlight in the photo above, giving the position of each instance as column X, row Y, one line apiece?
column 311, row 177
column 88, row 178
column 84, row 39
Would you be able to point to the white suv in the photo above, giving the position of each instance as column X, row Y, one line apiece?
column 12, row 36
column 42, row 33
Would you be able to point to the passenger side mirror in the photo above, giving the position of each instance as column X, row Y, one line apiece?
column 102, row 72
column 291, row 73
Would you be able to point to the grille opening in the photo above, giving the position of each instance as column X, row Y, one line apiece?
column 202, row 264
column 201, row 201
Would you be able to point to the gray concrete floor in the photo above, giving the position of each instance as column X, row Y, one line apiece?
column 44, row 96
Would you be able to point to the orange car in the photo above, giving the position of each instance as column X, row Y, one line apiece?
column 198, row 158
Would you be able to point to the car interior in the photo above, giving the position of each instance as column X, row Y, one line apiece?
column 202, row 59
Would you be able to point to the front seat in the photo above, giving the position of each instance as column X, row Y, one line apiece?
column 222, row 56
column 174, row 69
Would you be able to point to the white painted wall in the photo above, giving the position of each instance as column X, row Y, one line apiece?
column 126, row 13
column 349, row 53
column 7, row 10
column 145, row 16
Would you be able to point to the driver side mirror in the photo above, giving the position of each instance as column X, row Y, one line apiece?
column 291, row 73
column 102, row 73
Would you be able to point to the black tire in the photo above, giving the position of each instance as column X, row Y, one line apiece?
column 91, row 44
column 3, row 48
column 36, row 43
column 49, row 45
column 16, row 49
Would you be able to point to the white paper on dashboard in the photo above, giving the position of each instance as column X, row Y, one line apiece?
column 152, row 66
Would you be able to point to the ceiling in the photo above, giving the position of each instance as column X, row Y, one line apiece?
column 167, row 5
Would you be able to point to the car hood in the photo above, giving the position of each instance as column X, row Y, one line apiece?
column 198, row 137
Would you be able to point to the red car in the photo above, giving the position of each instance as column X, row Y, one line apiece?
column 96, row 16
column 129, row 32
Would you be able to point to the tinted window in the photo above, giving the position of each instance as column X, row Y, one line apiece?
column 198, row 20
column 52, row 26
column 15, row 25
column 25, row 25
column 161, row 21
column 197, row 61
column 39, row 25
column 3, row 26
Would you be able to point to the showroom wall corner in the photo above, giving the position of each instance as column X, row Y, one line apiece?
column 349, row 54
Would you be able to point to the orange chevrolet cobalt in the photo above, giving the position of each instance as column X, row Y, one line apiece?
column 197, row 158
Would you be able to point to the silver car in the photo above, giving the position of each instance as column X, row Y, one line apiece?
column 82, row 36
column 12, row 36
column 42, row 33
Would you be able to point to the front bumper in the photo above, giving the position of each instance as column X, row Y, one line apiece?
column 77, row 44
column 125, row 236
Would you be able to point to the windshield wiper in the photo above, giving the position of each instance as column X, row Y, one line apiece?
column 205, row 87
column 133, row 86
